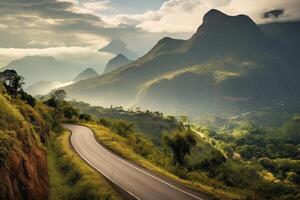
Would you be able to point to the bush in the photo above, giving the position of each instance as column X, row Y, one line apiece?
column 70, row 112
column 28, row 98
column 267, row 163
column 85, row 117
column 52, row 102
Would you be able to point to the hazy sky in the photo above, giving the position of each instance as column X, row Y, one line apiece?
column 75, row 29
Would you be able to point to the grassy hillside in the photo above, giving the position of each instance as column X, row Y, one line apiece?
column 36, row 159
column 220, row 165
column 23, row 157
column 150, row 124
column 141, row 151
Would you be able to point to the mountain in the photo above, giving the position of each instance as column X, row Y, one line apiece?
column 229, row 63
column 117, row 46
column 40, row 68
column 116, row 62
column 287, row 33
column 86, row 74
column 44, row 87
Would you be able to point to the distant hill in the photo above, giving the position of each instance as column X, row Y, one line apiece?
column 229, row 63
column 43, row 68
column 116, row 62
column 86, row 74
column 117, row 46
column 44, row 87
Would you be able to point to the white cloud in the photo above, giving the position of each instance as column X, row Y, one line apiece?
column 255, row 9
column 183, row 16
column 3, row 26
column 94, row 7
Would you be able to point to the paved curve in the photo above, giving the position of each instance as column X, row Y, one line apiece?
column 138, row 182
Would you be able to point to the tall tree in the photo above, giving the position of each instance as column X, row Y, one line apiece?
column 181, row 144
column 12, row 81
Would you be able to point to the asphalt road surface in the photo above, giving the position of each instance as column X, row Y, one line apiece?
column 136, row 181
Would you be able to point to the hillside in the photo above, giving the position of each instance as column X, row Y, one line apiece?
column 228, row 60
column 23, row 158
column 116, row 62
column 36, row 159
column 43, row 68
column 86, row 74
column 150, row 124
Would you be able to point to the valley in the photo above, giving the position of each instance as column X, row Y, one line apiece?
column 210, row 112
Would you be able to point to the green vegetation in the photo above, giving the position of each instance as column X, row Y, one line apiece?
column 272, row 153
column 71, row 177
column 238, row 165
column 181, row 144
column 150, row 124
column 27, row 127
column 23, row 130
column 142, row 151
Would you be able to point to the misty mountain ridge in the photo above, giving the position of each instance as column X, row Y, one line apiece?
column 116, row 62
column 117, row 46
column 44, row 87
column 227, row 64
column 86, row 74
column 44, row 68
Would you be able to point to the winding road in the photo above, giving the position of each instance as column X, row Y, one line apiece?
column 138, row 182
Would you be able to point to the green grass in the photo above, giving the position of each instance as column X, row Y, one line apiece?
column 121, row 146
column 72, row 178
column 58, row 184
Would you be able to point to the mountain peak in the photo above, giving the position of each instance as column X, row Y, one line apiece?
column 116, row 62
column 116, row 46
column 215, row 22
column 120, row 56
column 86, row 74
column 214, row 15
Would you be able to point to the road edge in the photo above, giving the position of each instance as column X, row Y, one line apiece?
column 125, row 194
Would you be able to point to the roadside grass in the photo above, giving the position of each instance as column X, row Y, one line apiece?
column 71, row 177
column 122, row 147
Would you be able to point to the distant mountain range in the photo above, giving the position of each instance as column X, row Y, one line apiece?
column 229, row 63
column 117, row 62
column 117, row 46
column 44, row 87
column 44, row 68
column 86, row 74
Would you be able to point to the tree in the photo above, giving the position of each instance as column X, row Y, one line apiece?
column 85, row 117
column 28, row 98
column 70, row 112
column 181, row 144
column 59, row 95
column 52, row 102
column 12, row 81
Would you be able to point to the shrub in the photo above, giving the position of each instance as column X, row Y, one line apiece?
column 28, row 98
column 181, row 144
column 85, row 117
column 70, row 112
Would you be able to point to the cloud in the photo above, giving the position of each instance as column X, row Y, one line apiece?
column 182, row 16
column 256, row 8
column 91, row 24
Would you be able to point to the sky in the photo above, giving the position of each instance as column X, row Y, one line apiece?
column 76, row 29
